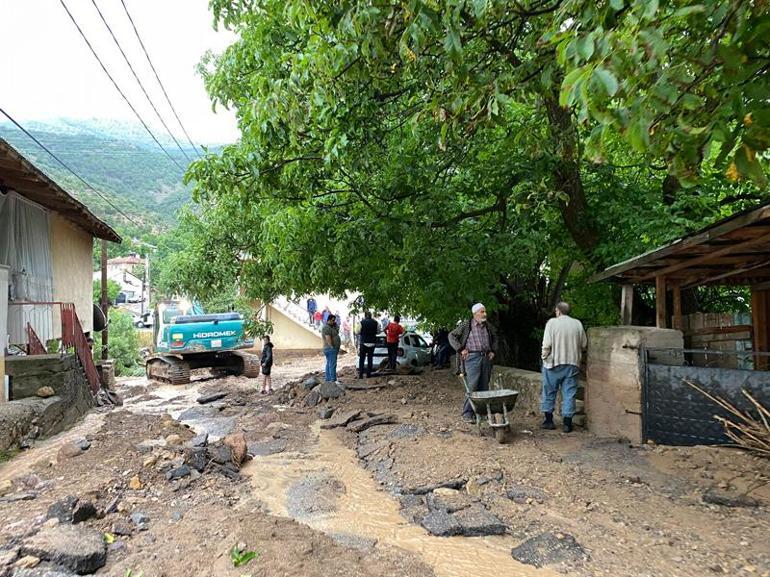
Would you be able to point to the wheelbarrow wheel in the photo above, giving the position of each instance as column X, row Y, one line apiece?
column 499, row 431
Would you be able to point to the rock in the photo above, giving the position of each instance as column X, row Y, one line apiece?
column 5, row 487
column 548, row 548
column 173, row 440
column 474, row 488
column 476, row 521
column 6, row 558
column 28, row 561
column 450, row 502
column 277, row 427
column 84, row 444
column 326, row 413
column 135, row 483
column 52, row 522
column 313, row 399
column 219, row 454
column 12, row 498
column 310, row 382
column 44, row 571
column 149, row 444
column 359, row 426
column 122, row 529
column 341, row 419
column 458, row 483
column 112, row 506
column 84, row 511
column 579, row 420
column 330, row 391
column 177, row 515
column 237, row 444
column 271, row 447
column 199, row 440
column 140, row 520
column 714, row 498
column 197, row 458
column 45, row 392
column 77, row 548
column 63, row 509
column 69, row 451
column 210, row 398
column 441, row 524
column 118, row 545
column 354, row 541
column 368, row 449
column 178, row 473
column 522, row 494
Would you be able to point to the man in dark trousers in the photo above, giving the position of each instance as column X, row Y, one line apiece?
column 312, row 307
column 475, row 343
column 368, row 340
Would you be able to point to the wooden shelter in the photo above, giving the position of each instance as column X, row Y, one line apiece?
column 734, row 251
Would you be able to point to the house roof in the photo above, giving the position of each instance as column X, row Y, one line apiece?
column 19, row 174
column 125, row 260
column 735, row 250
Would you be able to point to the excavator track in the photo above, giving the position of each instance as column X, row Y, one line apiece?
column 168, row 370
column 251, row 364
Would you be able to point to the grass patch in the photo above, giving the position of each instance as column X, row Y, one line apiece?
column 7, row 455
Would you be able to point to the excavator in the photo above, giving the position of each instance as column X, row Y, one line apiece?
column 185, row 338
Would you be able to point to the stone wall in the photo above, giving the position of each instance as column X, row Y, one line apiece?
column 530, row 384
column 28, row 416
column 614, row 377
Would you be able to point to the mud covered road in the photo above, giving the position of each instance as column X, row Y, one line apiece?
column 381, row 478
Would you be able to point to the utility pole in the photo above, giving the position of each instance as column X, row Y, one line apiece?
column 105, row 304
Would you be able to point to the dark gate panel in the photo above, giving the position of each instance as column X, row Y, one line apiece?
column 673, row 413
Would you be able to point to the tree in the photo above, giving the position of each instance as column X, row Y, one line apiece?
column 113, row 289
column 124, row 344
column 432, row 154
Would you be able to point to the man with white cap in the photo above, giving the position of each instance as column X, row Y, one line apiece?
column 475, row 343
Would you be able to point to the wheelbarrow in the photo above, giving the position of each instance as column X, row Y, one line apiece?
column 495, row 404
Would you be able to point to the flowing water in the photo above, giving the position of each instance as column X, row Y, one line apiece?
column 366, row 511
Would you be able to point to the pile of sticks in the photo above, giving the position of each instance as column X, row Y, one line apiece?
column 747, row 431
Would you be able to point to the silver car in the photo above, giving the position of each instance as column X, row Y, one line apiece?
column 412, row 351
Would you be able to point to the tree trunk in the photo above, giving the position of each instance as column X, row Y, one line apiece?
column 567, row 178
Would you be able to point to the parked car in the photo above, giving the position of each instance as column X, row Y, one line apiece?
column 144, row 321
column 412, row 351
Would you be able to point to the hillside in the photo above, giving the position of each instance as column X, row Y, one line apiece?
column 118, row 159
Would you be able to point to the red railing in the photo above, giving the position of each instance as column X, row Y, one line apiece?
column 72, row 335
column 44, row 315
column 34, row 345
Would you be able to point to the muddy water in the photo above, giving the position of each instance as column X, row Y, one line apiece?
column 366, row 511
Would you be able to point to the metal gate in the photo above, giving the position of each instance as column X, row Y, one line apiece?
column 673, row 413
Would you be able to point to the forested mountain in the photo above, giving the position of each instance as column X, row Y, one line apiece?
column 120, row 160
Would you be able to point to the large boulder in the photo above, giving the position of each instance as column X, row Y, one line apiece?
column 79, row 549
column 237, row 444
column 549, row 548
column 330, row 391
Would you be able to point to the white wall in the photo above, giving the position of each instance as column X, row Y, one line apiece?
column 72, row 262
column 3, row 327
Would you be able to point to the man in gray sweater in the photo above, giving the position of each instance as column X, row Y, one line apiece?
column 563, row 344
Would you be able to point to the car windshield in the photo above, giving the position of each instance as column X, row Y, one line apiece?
column 420, row 342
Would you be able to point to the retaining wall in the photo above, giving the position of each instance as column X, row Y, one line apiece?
column 28, row 416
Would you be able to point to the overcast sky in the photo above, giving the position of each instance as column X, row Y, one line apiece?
column 47, row 71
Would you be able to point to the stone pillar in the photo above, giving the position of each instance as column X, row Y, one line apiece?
column 614, row 377
column 4, row 270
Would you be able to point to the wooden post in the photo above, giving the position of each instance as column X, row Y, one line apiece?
column 677, row 320
column 760, row 328
column 660, row 302
column 627, row 304
column 105, row 304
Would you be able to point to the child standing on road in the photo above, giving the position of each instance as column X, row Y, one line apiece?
column 267, row 364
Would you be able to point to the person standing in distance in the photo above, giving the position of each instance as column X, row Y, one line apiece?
column 368, row 340
column 393, row 333
column 564, row 341
column 331, row 338
column 311, row 309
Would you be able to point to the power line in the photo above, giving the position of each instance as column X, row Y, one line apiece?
column 115, row 84
column 57, row 159
column 157, row 77
column 136, row 77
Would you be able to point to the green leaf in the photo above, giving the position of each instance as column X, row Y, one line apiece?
column 639, row 134
column 748, row 165
column 689, row 10
column 585, row 47
column 617, row 4
column 479, row 7
column 608, row 80
column 650, row 9
column 568, row 86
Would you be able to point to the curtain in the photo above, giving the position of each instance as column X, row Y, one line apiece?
column 25, row 247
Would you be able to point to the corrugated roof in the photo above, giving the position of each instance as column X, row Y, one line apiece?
column 19, row 174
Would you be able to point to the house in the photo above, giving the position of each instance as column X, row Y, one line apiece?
column 46, row 259
column 130, row 285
